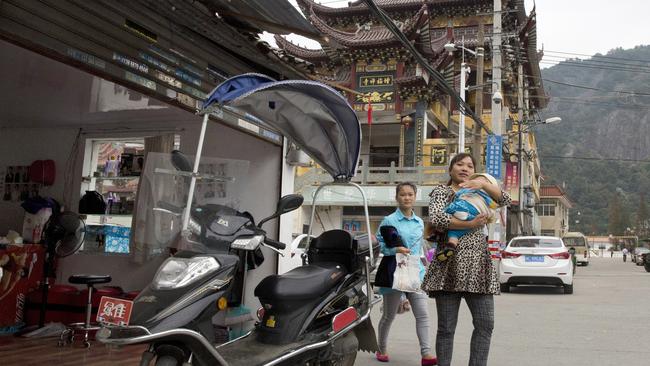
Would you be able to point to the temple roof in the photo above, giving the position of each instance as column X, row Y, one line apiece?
column 359, row 7
column 528, row 36
column 370, row 36
column 311, row 55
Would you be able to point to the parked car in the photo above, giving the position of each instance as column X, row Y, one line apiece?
column 646, row 261
column 637, row 255
column 578, row 241
column 536, row 260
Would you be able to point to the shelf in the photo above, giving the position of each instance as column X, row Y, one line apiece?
column 108, row 215
column 112, row 178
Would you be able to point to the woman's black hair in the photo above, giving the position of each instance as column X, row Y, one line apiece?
column 456, row 159
column 405, row 184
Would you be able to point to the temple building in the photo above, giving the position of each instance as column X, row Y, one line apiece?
column 410, row 126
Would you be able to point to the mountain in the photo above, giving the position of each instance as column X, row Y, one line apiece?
column 601, row 149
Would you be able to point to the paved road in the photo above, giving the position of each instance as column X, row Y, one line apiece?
column 605, row 322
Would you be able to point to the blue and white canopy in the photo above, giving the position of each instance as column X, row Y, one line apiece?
column 314, row 116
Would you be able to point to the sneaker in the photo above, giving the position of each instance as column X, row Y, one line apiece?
column 445, row 254
column 429, row 361
column 382, row 357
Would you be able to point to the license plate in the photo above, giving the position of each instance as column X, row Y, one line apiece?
column 113, row 311
column 535, row 258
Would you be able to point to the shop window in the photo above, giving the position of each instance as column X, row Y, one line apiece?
column 548, row 232
column 112, row 171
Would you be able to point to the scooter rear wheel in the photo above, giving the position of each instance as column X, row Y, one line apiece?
column 167, row 361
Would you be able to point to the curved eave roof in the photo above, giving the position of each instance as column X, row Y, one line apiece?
column 275, row 16
column 311, row 55
column 375, row 36
column 359, row 7
column 528, row 36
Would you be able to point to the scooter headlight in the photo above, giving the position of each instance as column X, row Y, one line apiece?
column 179, row 272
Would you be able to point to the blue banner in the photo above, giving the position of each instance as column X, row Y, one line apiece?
column 493, row 155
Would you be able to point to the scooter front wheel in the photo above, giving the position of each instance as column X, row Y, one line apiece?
column 347, row 360
column 167, row 361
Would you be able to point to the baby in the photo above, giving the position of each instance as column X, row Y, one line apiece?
column 467, row 204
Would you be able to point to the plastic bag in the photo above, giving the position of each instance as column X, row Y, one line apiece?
column 407, row 273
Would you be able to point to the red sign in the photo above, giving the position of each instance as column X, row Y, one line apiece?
column 512, row 181
column 114, row 311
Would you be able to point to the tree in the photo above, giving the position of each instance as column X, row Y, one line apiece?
column 615, row 223
column 642, row 217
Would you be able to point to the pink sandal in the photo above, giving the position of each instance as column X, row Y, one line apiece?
column 429, row 361
column 382, row 357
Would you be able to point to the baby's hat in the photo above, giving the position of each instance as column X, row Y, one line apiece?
column 487, row 176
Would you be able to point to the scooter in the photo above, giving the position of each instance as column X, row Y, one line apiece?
column 316, row 314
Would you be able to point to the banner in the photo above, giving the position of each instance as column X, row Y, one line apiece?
column 512, row 181
column 493, row 156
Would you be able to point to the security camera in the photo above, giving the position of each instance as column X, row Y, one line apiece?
column 497, row 97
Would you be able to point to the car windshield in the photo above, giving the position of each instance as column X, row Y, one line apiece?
column 536, row 243
column 574, row 242
column 642, row 250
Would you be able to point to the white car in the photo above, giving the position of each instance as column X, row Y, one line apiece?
column 536, row 260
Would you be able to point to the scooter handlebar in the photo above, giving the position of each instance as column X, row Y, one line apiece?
column 275, row 244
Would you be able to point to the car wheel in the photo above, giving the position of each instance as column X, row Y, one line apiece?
column 586, row 264
column 505, row 287
column 568, row 289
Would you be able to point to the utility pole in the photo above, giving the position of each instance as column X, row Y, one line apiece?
column 497, row 123
column 478, row 105
column 520, row 116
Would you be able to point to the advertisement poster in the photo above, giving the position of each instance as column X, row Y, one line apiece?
column 512, row 181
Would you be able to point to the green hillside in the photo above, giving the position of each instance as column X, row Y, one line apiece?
column 601, row 150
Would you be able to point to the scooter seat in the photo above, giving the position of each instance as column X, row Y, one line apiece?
column 302, row 283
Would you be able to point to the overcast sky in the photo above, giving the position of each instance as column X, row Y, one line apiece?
column 572, row 26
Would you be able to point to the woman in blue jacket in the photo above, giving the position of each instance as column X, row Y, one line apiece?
column 410, row 228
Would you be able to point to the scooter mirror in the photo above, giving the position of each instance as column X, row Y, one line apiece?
column 289, row 203
column 180, row 161
column 286, row 204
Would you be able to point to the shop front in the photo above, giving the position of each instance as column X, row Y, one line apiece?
column 93, row 88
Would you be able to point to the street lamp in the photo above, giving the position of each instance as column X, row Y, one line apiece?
column 548, row 121
column 464, row 70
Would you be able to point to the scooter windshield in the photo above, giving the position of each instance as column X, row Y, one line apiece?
column 162, row 197
column 315, row 117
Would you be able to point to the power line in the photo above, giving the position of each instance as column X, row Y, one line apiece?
column 607, row 57
column 590, row 66
column 592, row 158
column 598, row 89
column 595, row 62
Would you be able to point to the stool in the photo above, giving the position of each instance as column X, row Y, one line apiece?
column 67, row 335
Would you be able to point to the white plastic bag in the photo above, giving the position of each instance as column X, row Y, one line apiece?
column 407, row 273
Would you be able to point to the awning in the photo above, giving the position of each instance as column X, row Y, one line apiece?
column 312, row 115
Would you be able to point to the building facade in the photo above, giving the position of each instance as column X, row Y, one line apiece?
column 553, row 211
column 410, row 125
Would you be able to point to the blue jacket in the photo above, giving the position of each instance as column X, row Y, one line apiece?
column 410, row 229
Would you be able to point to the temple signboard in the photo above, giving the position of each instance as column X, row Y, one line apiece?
column 376, row 85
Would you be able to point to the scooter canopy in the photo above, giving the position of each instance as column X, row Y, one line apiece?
column 315, row 117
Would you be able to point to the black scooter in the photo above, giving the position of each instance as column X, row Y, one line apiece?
column 316, row 314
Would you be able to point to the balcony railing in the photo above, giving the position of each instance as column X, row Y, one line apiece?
column 368, row 175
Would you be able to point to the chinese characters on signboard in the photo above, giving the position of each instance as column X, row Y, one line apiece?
column 512, row 181
column 378, row 80
column 493, row 156
column 376, row 85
